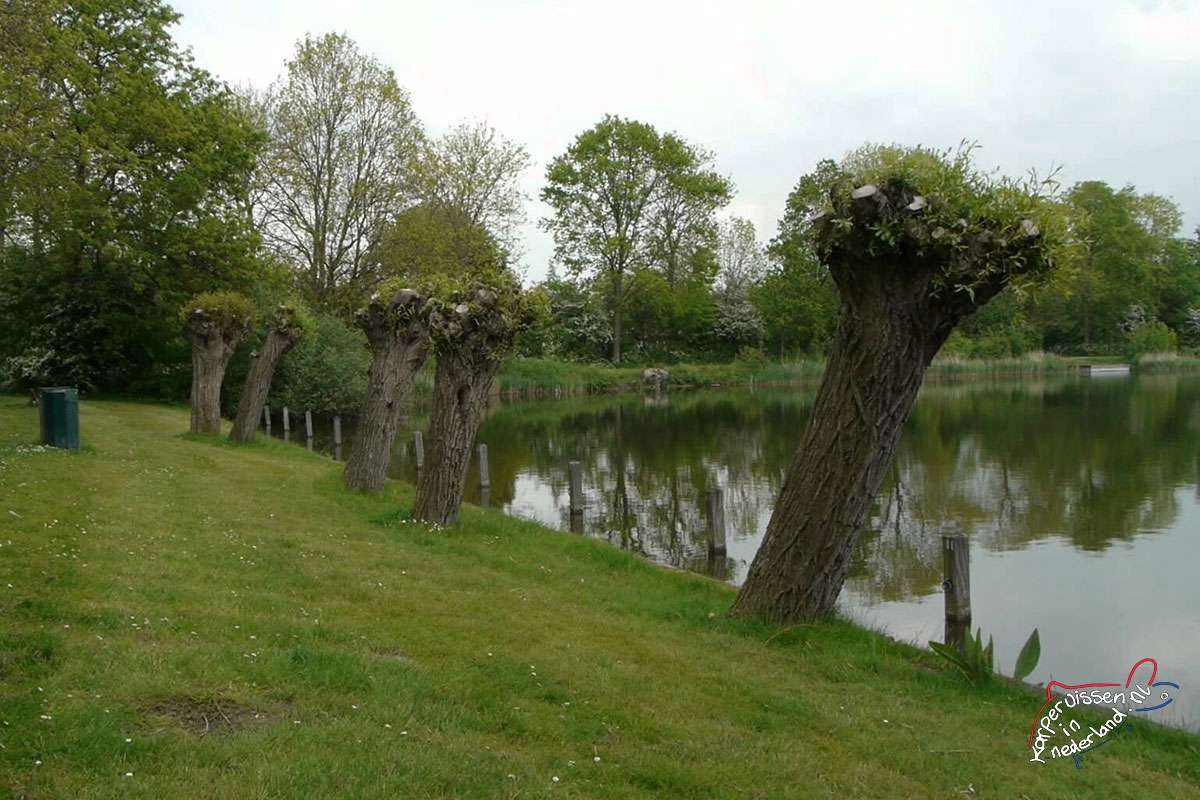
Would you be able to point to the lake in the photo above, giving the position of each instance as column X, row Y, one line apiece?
column 1080, row 497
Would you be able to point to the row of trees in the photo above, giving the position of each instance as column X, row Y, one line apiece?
column 1136, row 287
column 130, row 180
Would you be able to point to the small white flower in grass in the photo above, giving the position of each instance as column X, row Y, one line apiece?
column 555, row 779
column 128, row 774
column 127, row 741
column 885, row 722
column 386, row 725
column 596, row 759
column 404, row 733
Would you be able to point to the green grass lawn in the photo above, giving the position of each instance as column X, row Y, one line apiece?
column 182, row 618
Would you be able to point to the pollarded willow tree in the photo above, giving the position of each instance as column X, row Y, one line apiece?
column 473, row 330
column 915, row 241
column 396, row 324
column 288, row 325
column 214, row 323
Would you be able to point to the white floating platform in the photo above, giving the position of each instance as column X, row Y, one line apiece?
column 1104, row 369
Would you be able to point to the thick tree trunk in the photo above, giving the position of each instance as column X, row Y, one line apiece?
column 208, row 372
column 210, row 356
column 258, row 384
column 399, row 352
column 883, row 346
column 460, row 396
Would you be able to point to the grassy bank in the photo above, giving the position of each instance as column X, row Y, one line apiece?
column 183, row 618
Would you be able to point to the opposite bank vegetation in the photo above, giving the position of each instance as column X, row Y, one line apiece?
column 536, row 376
column 188, row 617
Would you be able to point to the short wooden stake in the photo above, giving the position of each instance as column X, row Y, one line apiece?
column 575, row 484
column 716, row 520
column 337, row 430
column 956, row 568
column 287, row 423
column 267, row 417
column 308, row 425
column 419, row 449
column 485, row 480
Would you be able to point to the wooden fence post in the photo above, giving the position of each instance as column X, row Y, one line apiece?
column 287, row 423
column 337, row 429
column 956, row 568
column 716, row 520
column 485, row 480
column 308, row 425
column 419, row 449
column 267, row 418
column 575, row 486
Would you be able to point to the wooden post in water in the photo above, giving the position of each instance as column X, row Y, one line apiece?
column 267, row 418
column 575, row 487
column 419, row 450
column 716, row 521
column 308, row 426
column 485, row 480
column 287, row 423
column 956, row 568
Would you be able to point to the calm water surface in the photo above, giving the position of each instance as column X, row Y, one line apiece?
column 1080, row 497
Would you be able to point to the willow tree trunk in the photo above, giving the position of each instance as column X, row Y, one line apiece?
column 210, row 355
column 461, row 390
column 885, row 341
column 258, row 383
column 399, row 352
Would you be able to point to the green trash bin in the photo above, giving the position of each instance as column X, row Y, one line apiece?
column 59, row 416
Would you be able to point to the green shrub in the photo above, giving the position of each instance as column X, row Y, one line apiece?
column 1152, row 337
column 326, row 372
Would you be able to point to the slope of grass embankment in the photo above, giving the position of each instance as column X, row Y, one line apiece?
column 182, row 618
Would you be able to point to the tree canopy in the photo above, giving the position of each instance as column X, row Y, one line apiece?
column 123, row 191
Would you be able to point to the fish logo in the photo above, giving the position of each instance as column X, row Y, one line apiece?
column 1133, row 696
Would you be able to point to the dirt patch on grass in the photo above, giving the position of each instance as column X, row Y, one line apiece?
column 204, row 716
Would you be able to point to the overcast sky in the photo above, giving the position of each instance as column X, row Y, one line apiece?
column 1107, row 89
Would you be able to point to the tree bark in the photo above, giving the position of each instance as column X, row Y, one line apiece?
column 461, row 390
column 399, row 349
column 211, row 351
column 875, row 369
column 258, row 383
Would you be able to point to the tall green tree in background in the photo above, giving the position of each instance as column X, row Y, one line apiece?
column 476, row 170
column 625, row 197
column 124, row 170
column 796, row 298
column 1127, row 240
column 340, row 164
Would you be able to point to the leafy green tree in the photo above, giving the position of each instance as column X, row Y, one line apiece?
column 326, row 372
column 625, row 197
column 340, row 164
column 476, row 170
column 1125, row 238
column 122, row 189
